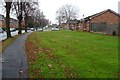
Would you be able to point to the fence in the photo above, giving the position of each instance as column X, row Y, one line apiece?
column 105, row 28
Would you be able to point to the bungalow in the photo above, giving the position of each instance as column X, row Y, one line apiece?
column 105, row 22
column 72, row 24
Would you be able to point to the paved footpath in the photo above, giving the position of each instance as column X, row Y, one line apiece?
column 15, row 61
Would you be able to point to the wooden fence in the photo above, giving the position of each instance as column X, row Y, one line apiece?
column 105, row 28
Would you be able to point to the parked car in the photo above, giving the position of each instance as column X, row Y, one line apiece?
column 1, row 30
column 32, row 29
column 40, row 29
column 28, row 29
column 55, row 29
column 12, row 29
column 44, row 28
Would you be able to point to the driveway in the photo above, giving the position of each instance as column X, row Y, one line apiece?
column 14, row 63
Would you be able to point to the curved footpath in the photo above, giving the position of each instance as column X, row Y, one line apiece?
column 14, row 59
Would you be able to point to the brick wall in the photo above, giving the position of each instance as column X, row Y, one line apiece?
column 108, row 17
column 85, row 25
column 67, row 26
column 12, row 24
column 2, row 24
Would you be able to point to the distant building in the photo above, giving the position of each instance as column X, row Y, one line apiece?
column 2, row 20
column 73, row 24
column 63, row 25
column 13, row 22
column 105, row 22
column 55, row 25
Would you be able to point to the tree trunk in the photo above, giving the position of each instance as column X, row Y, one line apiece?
column 8, row 6
column 26, row 23
column 20, row 20
column 25, row 26
column 19, row 24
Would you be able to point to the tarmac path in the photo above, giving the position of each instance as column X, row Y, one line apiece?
column 14, row 63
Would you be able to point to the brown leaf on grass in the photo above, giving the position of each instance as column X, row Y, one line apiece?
column 69, row 72
column 53, row 41
column 37, row 71
column 50, row 66
column 62, row 66
column 65, row 47
column 44, row 50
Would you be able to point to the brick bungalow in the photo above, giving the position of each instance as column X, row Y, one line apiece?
column 73, row 24
column 105, row 22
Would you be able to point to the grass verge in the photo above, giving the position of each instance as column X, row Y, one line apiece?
column 70, row 54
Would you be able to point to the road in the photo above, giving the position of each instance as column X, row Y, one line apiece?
column 3, row 35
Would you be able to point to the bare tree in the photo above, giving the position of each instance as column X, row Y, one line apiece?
column 42, row 21
column 28, row 8
column 66, row 12
column 7, row 20
column 37, row 19
column 18, row 7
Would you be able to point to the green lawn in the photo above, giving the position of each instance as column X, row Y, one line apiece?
column 61, row 54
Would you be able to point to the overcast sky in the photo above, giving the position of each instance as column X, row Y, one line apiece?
column 86, row 7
